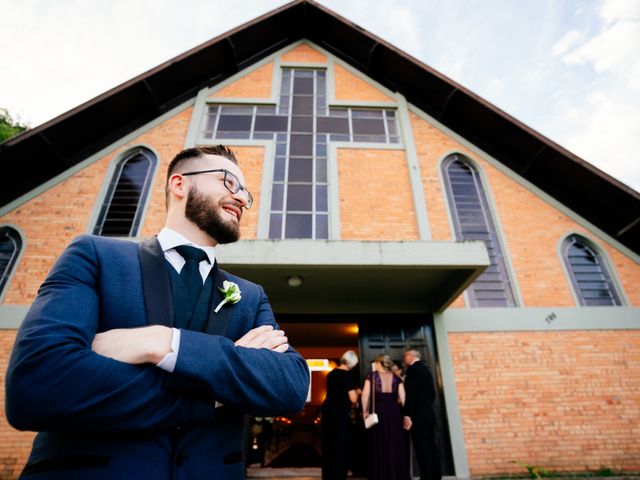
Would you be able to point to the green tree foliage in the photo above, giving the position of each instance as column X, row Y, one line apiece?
column 8, row 126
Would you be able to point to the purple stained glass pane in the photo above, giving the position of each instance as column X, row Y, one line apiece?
column 262, row 136
column 301, row 145
column 303, row 74
column 338, row 112
column 275, row 226
column 265, row 110
column 299, row 198
column 370, row 138
column 298, row 226
column 392, row 126
column 286, row 86
column 303, row 86
column 339, row 138
column 322, row 226
column 321, row 198
column 278, row 169
column 300, row 169
column 302, row 106
column 332, row 125
column 236, row 110
column 271, row 123
column 211, row 121
column 321, row 169
column 302, row 124
column 234, row 123
column 277, row 196
column 367, row 113
column 365, row 126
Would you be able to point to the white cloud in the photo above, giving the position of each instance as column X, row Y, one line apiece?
column 614, row 50
column 566, row 43
column 605, row 133
column 613, row 10
column 67, row 52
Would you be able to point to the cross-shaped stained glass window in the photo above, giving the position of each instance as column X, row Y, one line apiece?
column 301, row 125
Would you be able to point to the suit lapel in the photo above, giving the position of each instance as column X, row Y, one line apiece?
column 156, row 288
column 218, row 322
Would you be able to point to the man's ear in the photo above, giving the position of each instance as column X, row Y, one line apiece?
column 178, row 185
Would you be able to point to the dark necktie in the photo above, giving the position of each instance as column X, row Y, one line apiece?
column 190, row 273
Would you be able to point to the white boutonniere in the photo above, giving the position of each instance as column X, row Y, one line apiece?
column 231, row 292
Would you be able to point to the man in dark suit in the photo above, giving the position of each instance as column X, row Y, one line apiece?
column 140, row 361
column 419, row 417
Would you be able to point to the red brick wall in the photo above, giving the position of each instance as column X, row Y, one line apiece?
column 350, row 87
column 303, row 54
column 369, row 208
column 14, row 445
column 256, row 84
column 564, row 400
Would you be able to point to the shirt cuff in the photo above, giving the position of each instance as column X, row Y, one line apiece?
column 168, row 363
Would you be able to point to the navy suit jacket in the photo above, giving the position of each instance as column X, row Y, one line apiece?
column 100, row 418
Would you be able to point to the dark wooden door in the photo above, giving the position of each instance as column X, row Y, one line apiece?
column 392, row 335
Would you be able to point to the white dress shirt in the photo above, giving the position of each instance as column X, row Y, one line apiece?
column 169, row 240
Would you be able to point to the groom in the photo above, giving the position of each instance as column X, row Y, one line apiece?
column 138, row 361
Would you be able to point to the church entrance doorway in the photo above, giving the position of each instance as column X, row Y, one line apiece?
column 294, row 441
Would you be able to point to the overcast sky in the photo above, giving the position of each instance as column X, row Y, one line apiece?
column 568, row 69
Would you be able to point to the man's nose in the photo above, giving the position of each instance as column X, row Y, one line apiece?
column 242, row 196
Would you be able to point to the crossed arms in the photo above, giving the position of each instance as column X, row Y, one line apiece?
column 57, row 382
column 151, row 344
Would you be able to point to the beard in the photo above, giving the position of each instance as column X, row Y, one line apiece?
column 208, row 217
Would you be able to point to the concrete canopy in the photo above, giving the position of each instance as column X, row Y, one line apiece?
column 346, row 277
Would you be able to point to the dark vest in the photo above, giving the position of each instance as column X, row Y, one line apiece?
column 185, row 314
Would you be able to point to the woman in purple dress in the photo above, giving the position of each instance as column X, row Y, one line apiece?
column 386, row 440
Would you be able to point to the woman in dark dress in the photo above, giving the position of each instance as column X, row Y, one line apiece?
column 386, row 440
column 336, row 418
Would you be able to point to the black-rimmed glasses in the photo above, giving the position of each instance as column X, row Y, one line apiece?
column 230, row 181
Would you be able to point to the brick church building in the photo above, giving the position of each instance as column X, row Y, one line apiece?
column 393, row 208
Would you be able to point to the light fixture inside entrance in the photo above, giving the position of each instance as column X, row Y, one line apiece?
column 294, row 281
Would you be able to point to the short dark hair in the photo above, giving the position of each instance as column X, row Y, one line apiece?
column 194, row 153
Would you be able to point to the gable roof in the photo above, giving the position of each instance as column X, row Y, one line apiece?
column 44, row 152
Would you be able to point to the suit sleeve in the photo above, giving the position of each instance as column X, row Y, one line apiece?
column 420, row 392
column 410, row 395
column 55, row 382
column 258, row 381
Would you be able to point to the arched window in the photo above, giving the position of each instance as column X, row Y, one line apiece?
column 10, row 247
column 473, row 221
column 121, row 211
column 589, row 274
